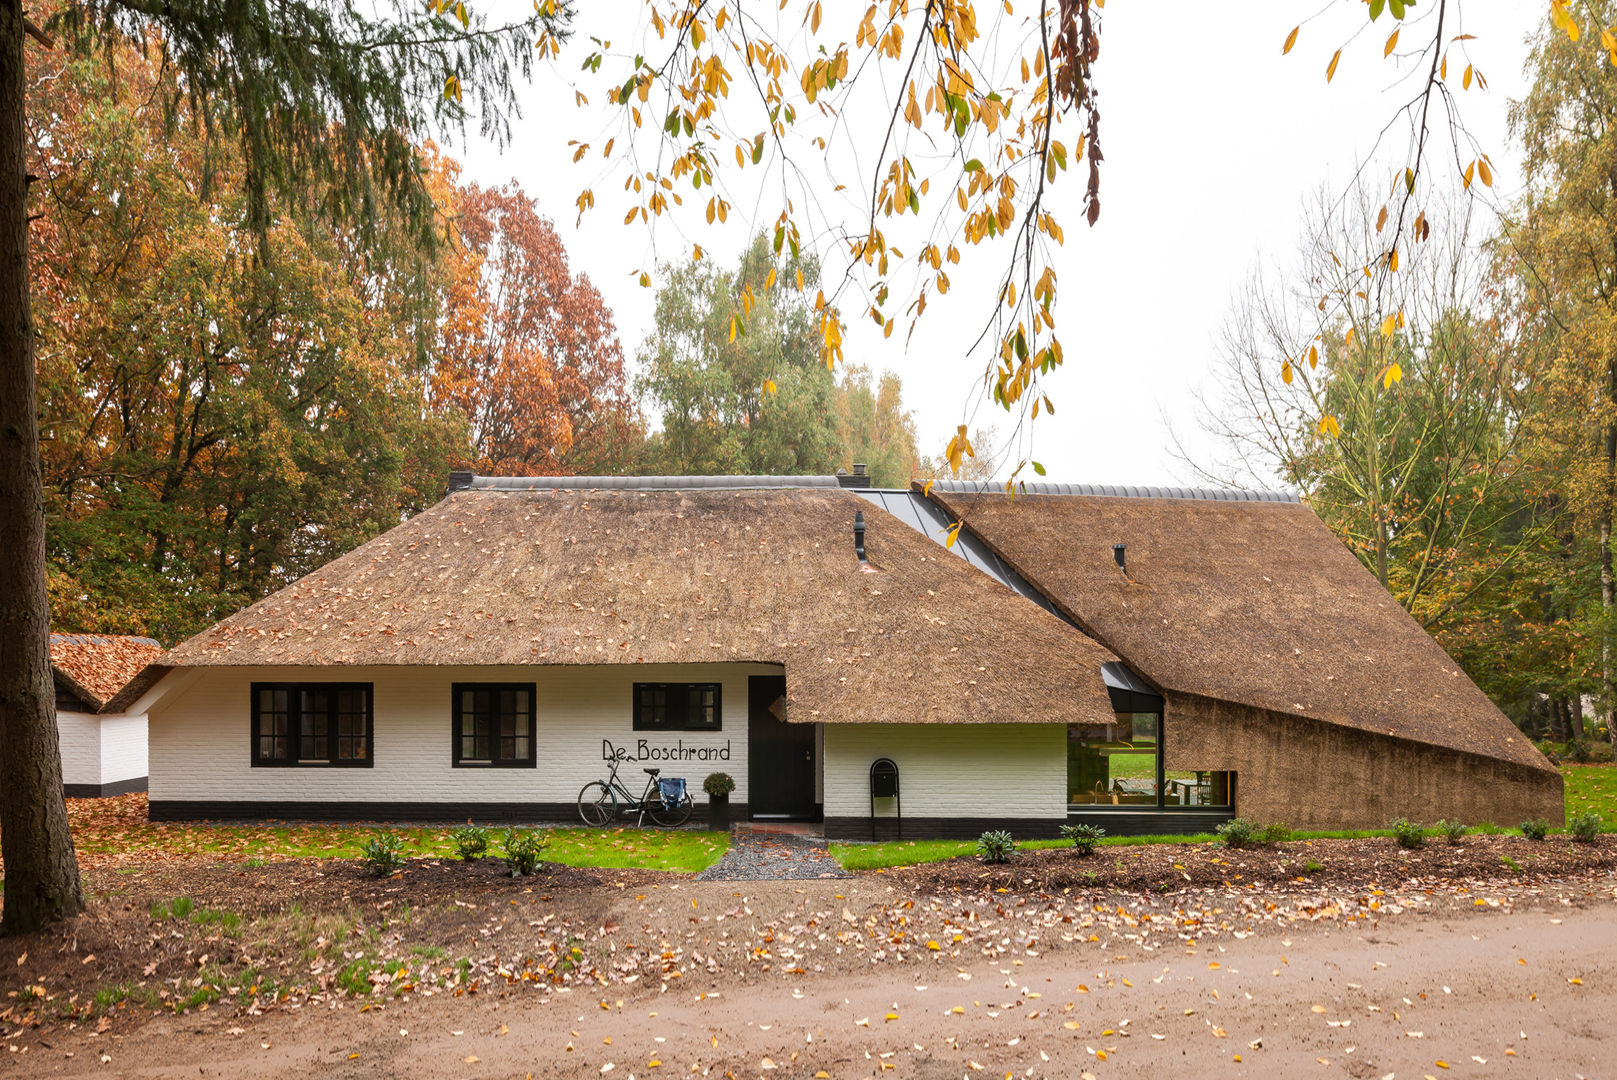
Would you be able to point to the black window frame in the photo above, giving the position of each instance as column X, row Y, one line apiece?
column 495, row 761
column 684, row 724
column 294, row 734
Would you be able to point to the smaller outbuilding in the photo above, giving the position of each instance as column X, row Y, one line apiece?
column 103, row 747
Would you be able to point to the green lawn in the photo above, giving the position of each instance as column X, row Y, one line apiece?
column 97, row 831
column 1592, row 787
column 1588, row 787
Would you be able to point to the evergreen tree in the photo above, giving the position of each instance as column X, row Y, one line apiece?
column 323, row 104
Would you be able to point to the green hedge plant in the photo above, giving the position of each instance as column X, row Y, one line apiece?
column 1585, row 827
column 382, row 854
column 470, row 841
column 524, row 849
column 996, row 846
column 1239, row 832
column 1453, row 830
column 1275, row 833
column 1409, row 834
column 1534, row 829
column 1083, row 837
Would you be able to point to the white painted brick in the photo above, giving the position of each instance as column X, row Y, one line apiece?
column 80, row 737
column 199, row 736
column 123, row 747
column 950, row 770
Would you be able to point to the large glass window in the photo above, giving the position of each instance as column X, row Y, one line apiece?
column 1119, row 764
column 494, row 724
column 312, row 724
column 676, row 707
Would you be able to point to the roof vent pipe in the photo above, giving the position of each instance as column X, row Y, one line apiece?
column 1120, row 554
column 859, row 536
column 460, row 480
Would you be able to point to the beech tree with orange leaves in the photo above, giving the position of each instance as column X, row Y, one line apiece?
column 528, row 350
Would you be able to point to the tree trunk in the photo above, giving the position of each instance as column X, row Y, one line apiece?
column 41, row 872
column 1608, row 588
column 1576, row 703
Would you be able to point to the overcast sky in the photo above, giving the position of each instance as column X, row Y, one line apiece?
column 1214, row 142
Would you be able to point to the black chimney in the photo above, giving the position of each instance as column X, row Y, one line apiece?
column 859, row 535
column 459, row 480
column 859, row 478
column 1120, row 553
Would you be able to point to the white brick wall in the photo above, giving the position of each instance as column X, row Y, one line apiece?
column 123, row 747
column 80, row 736
column 951, row 770
column 200, row 735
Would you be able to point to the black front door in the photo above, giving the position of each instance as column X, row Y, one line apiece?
column 780, row 756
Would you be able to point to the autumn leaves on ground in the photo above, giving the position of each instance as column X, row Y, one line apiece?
column 254, row 951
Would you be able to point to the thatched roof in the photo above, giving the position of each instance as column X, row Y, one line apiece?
column 626, row 576
column 96, row 666
column 1249, row 601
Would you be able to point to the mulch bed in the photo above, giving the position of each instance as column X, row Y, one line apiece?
column 1367, row 862
column 433, row 902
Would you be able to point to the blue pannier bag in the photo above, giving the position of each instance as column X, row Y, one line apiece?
column 673, row 791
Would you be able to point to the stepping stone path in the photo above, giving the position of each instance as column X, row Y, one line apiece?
column 774, row 858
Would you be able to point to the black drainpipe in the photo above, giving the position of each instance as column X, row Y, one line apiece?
column 859, row 536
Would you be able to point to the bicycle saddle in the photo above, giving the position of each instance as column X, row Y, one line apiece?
column 651, row 772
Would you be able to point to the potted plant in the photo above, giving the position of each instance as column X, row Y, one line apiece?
column 718, row 787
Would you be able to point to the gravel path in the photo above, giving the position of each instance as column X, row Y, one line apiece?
column 774, row 858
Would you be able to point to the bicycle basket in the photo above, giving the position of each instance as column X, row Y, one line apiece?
column 672, row 789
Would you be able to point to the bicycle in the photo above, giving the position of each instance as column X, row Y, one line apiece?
column 665, row 801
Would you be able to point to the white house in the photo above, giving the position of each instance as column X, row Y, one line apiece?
column 103, row 747
column 1150, row 661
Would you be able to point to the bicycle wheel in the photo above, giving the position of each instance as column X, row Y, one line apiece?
column 665, row 818
column 597, row 805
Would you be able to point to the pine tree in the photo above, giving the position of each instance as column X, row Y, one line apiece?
column 325, row 105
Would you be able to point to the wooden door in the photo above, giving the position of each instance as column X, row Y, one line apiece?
column 780, row 756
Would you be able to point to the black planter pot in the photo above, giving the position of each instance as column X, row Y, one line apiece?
column 718, row 813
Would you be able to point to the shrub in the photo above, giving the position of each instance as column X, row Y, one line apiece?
column 1451, row 829
column 1579, row 751
column 1409, row 834
column 1534, row 829
column 1585, row 827
column 996, row 846
column 1239, row 832
column 1277, row 833
column 1083, row 837
column 523, row 848
column 718, row 785
column 382, row 854
column 470, row 841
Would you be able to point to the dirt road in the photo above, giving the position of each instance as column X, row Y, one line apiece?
column 1458, row 992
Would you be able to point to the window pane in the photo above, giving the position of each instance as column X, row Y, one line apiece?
column 474, row 725
column 1113, row 764
column 314, row 719
column 352, row 744
column 1197, row 788
column 519, row 750
column 522, row 704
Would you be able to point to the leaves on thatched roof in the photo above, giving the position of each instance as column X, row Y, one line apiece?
column 96, row 666
column 623, row 577
column 1251, row 602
